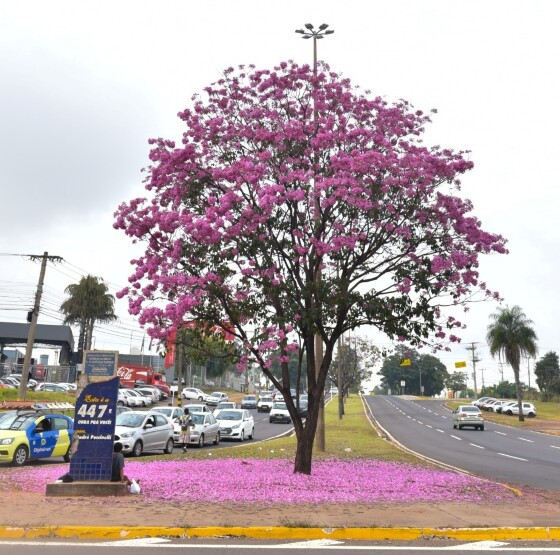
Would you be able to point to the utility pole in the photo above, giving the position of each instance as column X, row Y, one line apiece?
column 320, row 33
column 528, row 375
column 474, row 360
column 482, row 373
column 33, row 324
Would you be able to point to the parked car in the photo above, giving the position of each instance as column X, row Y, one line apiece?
column 206, row 429
column 144, row 401
column 279, row 413
column 31, row 383
column 194, row 393
column 486, row 403
column 128, row 398
column 32, row 434
column 148, row 396
column 70, row 386
column 264, row 404
column 216, row 397
column 503, row 408
column 527, row 408
column 55, row 387
column 236, row 424
column 492, row 405
column 477, row 402
column 249, row 402
column 144, row 431
column 468, row 415
column 157, row 394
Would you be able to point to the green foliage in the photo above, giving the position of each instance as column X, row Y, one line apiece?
column 547, row 370
column 427, row 368
column 294, row 369
column 357, row 357
column 456, row 381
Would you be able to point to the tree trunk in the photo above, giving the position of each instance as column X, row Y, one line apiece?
column 518, row 392
column 305, row 439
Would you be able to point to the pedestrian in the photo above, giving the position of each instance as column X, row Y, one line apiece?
column 117, row 472
column 186, row 425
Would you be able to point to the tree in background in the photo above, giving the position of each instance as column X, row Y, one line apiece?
column 297, row 205
column 89, row 302
column 511, row 335
column 456, row 382
column 547, row 370
column 357, row 357
column 427, row 369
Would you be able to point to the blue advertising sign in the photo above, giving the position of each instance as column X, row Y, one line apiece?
column 94, row 426
column 100, row 364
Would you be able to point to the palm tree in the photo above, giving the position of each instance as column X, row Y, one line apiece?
column 88, row 302
column 511, row 335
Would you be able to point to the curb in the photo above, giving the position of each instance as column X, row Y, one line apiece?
column 280, row 533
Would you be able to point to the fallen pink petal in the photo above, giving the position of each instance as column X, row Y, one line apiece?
column 271, row 482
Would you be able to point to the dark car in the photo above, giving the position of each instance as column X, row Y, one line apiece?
column 249, row 402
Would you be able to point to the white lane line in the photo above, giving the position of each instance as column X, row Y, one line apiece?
column 428, row 426
column 429, row 410
column 443, row 416
column 555, row 447
column 420, row 422
column 527, row 440
column 501, row 433
column 477, row 446
column 441, row 431
column 457, row 438
column 512, row 457
column 407, row 416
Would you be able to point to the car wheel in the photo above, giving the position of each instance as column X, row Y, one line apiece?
column 490, row 409
column 200, row 399
column 531, row 415
column 137, row 449
column 454, row 426
column 270, row 420
column 169, row 446
column 252, row 433
column 459, row 427
column 20, row 456
column 201, row 441
column 481, row 428
column 67, row 455
column 217, row 440
column 242, row 436
column 509, row 413
column 120, row 403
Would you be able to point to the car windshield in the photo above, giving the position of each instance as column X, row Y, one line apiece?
column 166, row 412
column 130, row 420
column 21, row 422
column 226, row 405
column 266, row 399
column 230, row 415
column 196, row 408
column 281, row 406
column 249, row 398
column 145, row 393
column 198, row 418
column 133, row 393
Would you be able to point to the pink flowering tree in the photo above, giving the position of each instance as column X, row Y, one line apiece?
column 296, row 205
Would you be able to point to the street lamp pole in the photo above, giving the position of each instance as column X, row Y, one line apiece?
column 316, row 34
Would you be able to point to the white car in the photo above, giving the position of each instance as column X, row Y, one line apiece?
column 236, row 424
column 527, row 408
column 206, row 429
column 194, row 394
column 144, row 431
column 279, row 413
column 129, row 398
column 216, row 397
column 196, row 408
column 55, row 387
column 149, row 391
column 264, row 404
column 147, row 397
column 223, row 405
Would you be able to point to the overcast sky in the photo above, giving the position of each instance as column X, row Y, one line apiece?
column 84, row 85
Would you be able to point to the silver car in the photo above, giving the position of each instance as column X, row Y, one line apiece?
column 468, row 415
column 144, row 431
column 206, row 429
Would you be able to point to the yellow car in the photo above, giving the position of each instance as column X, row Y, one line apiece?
column 30, row 434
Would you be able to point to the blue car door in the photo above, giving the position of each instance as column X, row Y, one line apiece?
column 42, row 438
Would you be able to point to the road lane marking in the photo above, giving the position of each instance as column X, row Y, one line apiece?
column 438, row 430
column 457, row 438
column 501, row 433
column 512, row 457
column 428, row 426
column 528, row 440
column 420, row 422
column 555, row 447
column 477, row 446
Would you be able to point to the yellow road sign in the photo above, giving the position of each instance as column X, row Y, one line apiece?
column 405, row 362
column 461, row 364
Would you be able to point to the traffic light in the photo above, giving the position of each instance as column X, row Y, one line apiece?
column 30, row 316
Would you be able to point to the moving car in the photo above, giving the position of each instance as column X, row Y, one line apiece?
column 264, row 404
column 468, row 415
column 216, row 397
column 144, row 431
column 279, row 413
column 173, row 413
column 249, row 402
column 236, row 424
column 29, row 434
column 223, row 405
column 206, row 429
column 194, row 393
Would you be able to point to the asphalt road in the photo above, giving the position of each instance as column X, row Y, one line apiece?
column 499, row 452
